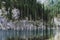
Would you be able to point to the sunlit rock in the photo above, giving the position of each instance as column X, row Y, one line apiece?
column 15, row 12
column 11, row 25
column 2, row 23
column 57, row 36
column 57, row 23
column 4, row 12
column 3, row 2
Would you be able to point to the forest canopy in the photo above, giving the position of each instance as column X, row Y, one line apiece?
column 28, row 8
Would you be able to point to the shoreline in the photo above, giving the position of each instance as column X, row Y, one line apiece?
column 25, row 28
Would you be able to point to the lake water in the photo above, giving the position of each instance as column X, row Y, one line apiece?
column 27, row 33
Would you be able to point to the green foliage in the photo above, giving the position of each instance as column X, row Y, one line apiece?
column 27, row 8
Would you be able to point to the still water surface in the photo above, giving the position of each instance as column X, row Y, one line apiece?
column 27, row 33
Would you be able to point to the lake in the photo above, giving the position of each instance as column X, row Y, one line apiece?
column 23, row 33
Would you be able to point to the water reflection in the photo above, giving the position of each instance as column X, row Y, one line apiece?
column 21, row 33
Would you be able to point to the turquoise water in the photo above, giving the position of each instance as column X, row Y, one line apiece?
column 27, row 33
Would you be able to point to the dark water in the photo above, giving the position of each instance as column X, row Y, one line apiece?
column 27, row 33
